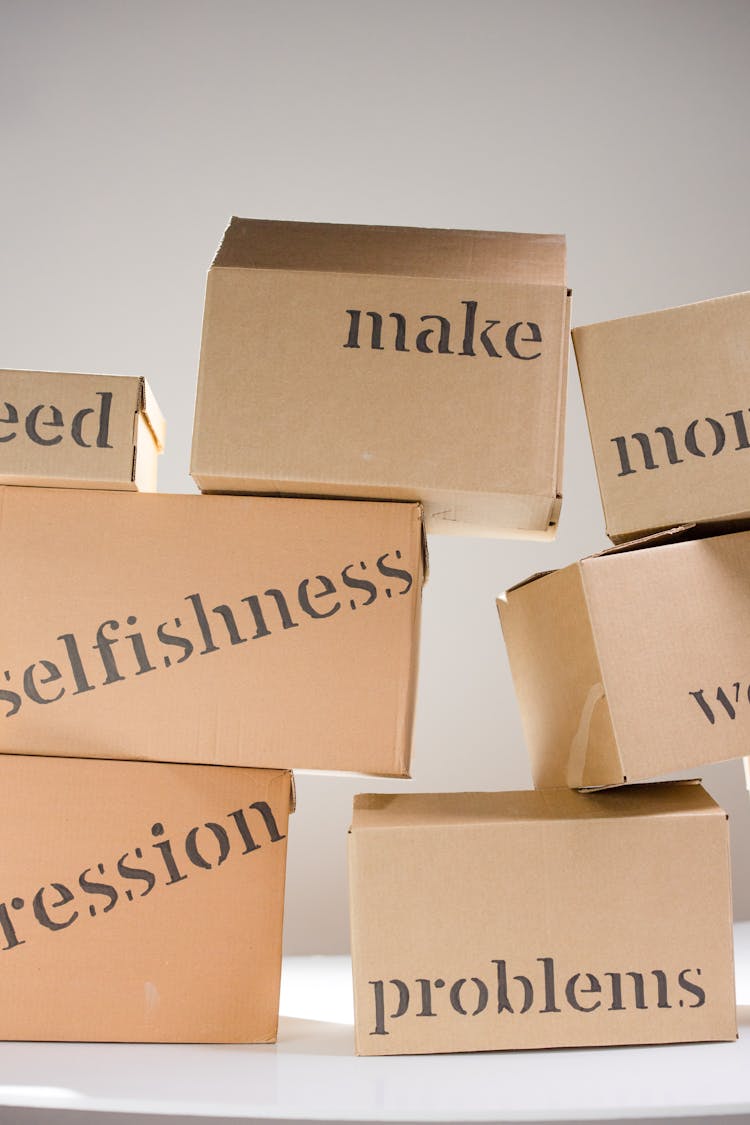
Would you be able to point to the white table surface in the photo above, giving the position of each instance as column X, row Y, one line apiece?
column 311, row 1074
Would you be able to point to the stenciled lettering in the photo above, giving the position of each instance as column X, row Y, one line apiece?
column 721, row 702
column 124, row 648
column 702, row 438
column 57, row 906
column 45, row 425
column 505, row 994
column 435, row 333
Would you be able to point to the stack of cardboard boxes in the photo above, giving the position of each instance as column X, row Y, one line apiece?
column 168, row 660
column 582, row 914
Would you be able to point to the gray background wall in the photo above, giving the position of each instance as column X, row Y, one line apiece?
column 132, row 131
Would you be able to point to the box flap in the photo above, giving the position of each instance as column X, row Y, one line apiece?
column 655, row 539
column 421, row 810
column 525, row 582
column 153, row 416
column 407, row 251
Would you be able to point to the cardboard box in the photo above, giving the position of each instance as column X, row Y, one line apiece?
column 141, row 902
column 387, row 362
column 487, row 921
column 632, row 664
column 218, row 629
column 79, row 431
column 666, row 399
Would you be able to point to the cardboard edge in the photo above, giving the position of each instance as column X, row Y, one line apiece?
column 584, row 328
column 425, row 548
column 727, row 838
column 651, row 784
column 728, row 523
column 210, row 484
column 562, row 404
column 403, row 760
column 599, row 481
column 298, row 227
column 224, row 238
column 616, row 759
column 677, row 534
column 503, row 597
column 354, row 914
column 149, row 408
column 680, row 534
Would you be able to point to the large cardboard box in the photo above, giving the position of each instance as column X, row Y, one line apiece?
column 632, row 664
column 217, row 629
column 388, row 362
column 79, row 431
column 141, row 902
column 666, row 399
column 483, row 921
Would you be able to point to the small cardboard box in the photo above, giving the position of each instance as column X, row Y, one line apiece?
column 79, row 431
column 666, row 399
column 225, row 630
column 632, row 664
column 387, row 362
column 487, row 921
column 141, row 902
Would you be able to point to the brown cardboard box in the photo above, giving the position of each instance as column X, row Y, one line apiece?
column 486, row 921
column 79, row 431
column 219, row 629
column 388, row 362
column 665, row 395
column 633, row 664
column 141, row 902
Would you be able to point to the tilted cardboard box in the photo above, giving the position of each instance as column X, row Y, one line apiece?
column 666, row 399
column 141, row 902
column 79, row 431
column 388, row 362
column 632, row 664
column 486, row 921
column 217, row 629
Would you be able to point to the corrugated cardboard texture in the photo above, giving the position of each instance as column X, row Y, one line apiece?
column 268, row 244
column 232, row 630
column 458, row 897
column 141, row 902
column 666, row 399
column 632, row 665
column 297, row 396
column 566, row 719
column 79, row 431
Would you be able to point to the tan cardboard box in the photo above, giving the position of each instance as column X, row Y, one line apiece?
column 486, row 921
column 218, row 629
column 632, row 664
column 666, row 399
column 141, row 902
column 387, row 362
column 79, row 431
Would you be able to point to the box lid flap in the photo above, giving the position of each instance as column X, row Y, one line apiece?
column 422, row 810
column 535, row 259
column 655, row 539
column 526, row 582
